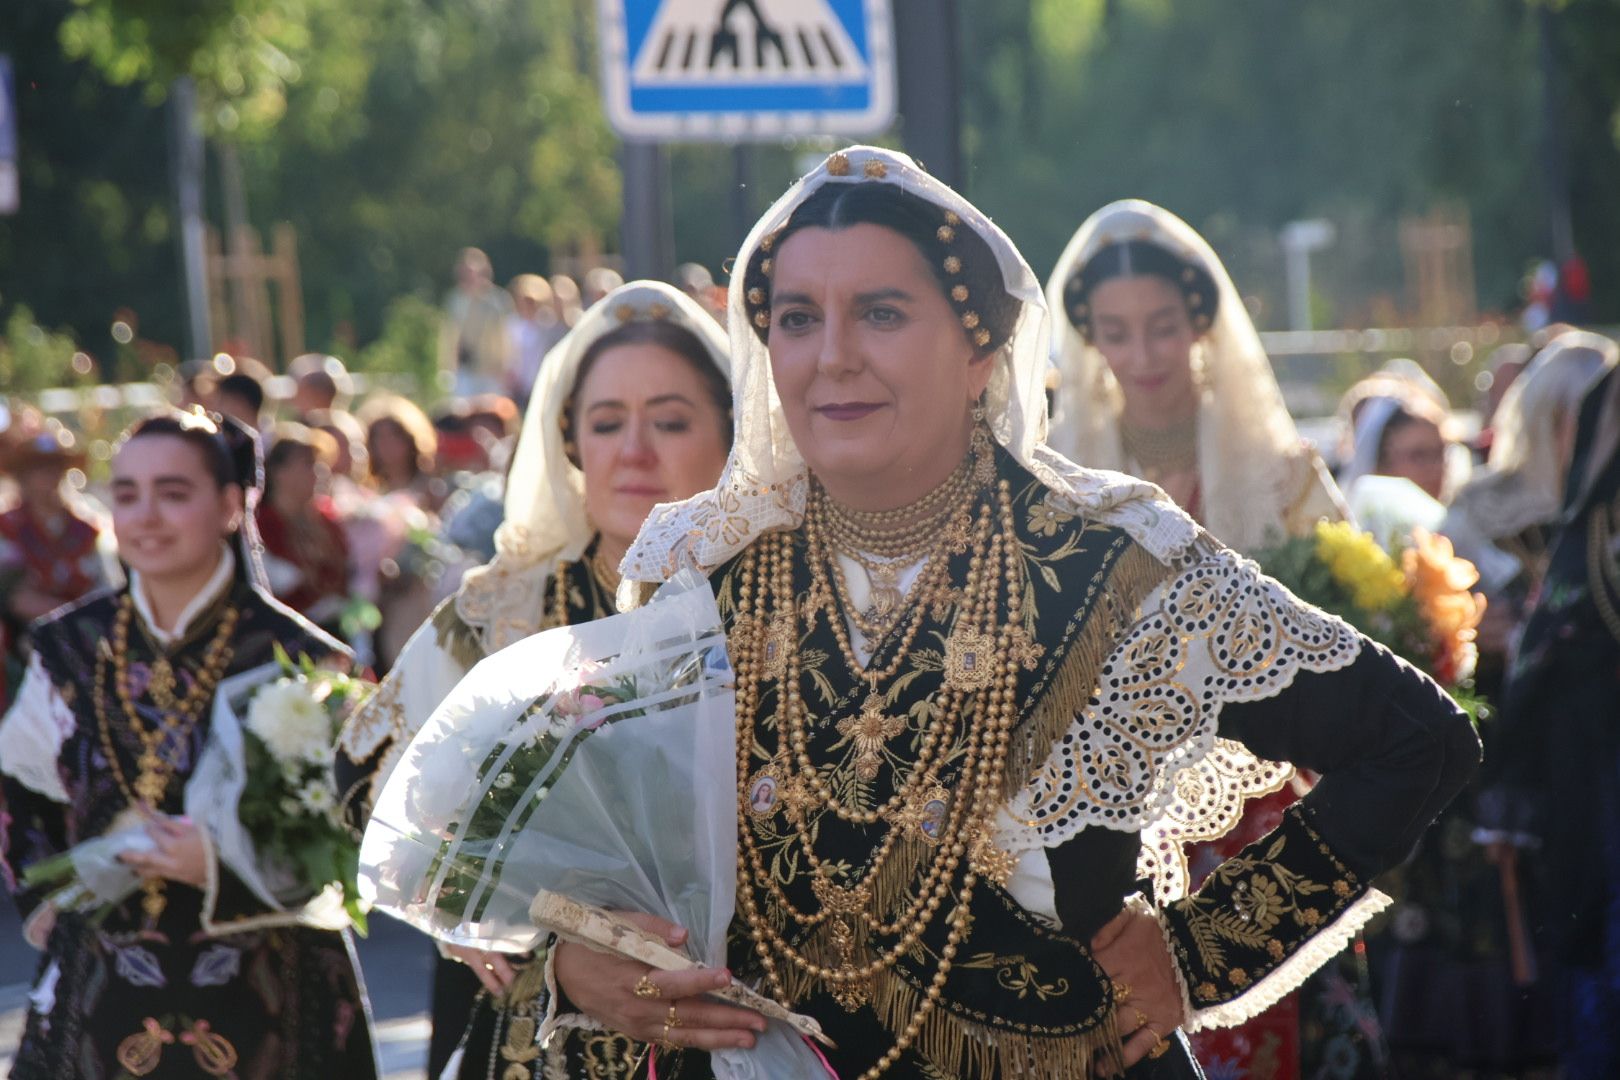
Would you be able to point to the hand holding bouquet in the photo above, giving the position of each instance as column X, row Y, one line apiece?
column 583, row 770
column 263, row 794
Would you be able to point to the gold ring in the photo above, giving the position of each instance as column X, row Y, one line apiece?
column 646, row 988
column 1122, row 991
column 672, row 1021
column 1160, row 1048
column 1142, row 1020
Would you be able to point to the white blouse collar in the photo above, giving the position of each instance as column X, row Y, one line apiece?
column 216, row 584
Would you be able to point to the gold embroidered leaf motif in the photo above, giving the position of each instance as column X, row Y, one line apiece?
column 1113, row 768
column 1259, row 901
column 1246, row 638
column 1148, row 654
column 1198, row 600
column 1190, row 787
column 1018, row 975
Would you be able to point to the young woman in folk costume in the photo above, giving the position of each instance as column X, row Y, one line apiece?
column 984, row 681
column 631, row 408
column 1164, row 377
column 193, row 975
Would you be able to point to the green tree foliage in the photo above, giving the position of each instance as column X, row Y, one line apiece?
column 31, row 357
column 93, row 234
column 390, row 132
column 422, row 127
column 1243, row 117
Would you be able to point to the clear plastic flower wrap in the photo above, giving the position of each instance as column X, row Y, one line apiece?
column 592, row 766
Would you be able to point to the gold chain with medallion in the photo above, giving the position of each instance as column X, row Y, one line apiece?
column 176, row 717
column 972, row 727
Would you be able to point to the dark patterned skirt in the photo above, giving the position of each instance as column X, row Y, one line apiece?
column 273, row 1003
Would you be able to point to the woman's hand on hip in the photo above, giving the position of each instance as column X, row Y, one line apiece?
column 641, row 1001
column 1147, row 999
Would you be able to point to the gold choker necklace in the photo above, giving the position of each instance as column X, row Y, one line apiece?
column 1163, row 451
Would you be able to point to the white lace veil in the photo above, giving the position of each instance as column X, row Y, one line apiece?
column 1246, row 436
column 763, row 487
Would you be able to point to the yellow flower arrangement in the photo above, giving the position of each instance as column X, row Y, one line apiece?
column 1360, row 565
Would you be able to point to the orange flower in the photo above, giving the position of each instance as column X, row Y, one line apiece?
column 1439, row 582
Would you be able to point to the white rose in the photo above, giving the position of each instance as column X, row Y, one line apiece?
column 505, row 780
column 288, row 720
column 320, row 754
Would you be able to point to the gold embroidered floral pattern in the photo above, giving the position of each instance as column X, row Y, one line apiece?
column 1257, row 908
column 1047, row 517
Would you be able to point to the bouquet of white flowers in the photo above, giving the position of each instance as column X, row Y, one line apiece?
column 289, row 799
column 592, row 767
column 262, row 790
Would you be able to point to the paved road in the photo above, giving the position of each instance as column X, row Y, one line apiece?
column 396, row 962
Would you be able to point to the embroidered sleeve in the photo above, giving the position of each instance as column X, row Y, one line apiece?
column 1145, row 749
column 33, row 731
column 378, row 732
column 1264, row 920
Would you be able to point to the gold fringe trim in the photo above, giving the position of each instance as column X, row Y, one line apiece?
column 455, row 636
column 960, row 1047
column 1133, row 575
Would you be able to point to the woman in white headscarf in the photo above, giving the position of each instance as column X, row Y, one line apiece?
column 975, row 682
column 631, row 408
column 1164, row 377
column 1500, row 518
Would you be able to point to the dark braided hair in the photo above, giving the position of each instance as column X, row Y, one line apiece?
column 962, row 262
column 1140, row 258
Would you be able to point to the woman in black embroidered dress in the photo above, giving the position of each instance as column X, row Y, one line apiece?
column 630, row 409
column 193, row 975
column 979, row 685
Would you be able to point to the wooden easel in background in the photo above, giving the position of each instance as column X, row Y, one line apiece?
column 239, row 295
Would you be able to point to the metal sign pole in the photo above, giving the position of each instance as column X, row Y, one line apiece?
column 926, row 55
column 188, row 185
column 647, row 230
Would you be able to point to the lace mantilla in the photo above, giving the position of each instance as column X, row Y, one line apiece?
column 504, row 600
column 1143, row 755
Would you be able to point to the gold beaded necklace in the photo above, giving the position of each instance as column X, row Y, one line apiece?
column 973, row 727
column 176, row 717
column 884, row 550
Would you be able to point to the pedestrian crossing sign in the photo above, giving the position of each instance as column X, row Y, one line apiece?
column 747, row 69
